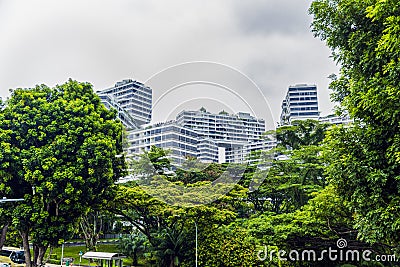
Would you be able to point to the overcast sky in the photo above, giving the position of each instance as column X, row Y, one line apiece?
column 267, row 42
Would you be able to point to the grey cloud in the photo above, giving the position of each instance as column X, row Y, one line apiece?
column 272, row 16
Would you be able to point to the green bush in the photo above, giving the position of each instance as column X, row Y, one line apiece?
column 53, row 261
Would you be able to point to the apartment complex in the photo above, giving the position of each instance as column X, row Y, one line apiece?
column 127, row 119
column 300, row 103
column 334, row 119
column 206, row 136
column 132, row 100
column 207, row 150
column 224, row 127
column 230, row 132
column 181, row 142
column 209, row 137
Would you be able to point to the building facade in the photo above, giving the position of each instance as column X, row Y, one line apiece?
column 127, row 120
column 207, row 150
column 241, row 127
column 206, row 136
column 229, row 132
column 334, row 119
column 180, row 141
column 131, row 96
column 300, row 103
column 199, row 134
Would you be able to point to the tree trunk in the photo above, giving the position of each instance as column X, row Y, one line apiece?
column 3, row 235
column 91, row 229
column 135, row 258
column 40, row 256
column 27, row 252
column 35, row 254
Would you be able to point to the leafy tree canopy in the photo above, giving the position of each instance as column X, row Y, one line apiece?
column 58, row 152
column 364, row 161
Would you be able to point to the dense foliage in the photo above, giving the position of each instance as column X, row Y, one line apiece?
column 364, row 161
column 59, row 148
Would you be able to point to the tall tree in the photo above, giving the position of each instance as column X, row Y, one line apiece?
column 166, row 207
column 301, row 133
column 365, row 159
column 286, row 185
column 59, row 148
column 317, row 225
column 91, row 226
column 166, row 226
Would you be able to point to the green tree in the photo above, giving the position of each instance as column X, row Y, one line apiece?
column 169, row 229
column 192, row 171
column 166, row 209
column 152, row 162
column 227, row 246
column 132, row 245
column 364, row 160
column 5, row 220
column 317, row 225
column 92, row 225
column 59, row 148
column 301, row 133
column 287, row 184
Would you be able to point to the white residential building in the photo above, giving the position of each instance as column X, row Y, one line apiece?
column 334, row 119
column 241, row 127
column 229, row 132
column 207, row 150
column 206, row 136
column 180, row 141
column 300, row 103
column 127, row 120
column 133, row 97
column 201, row 134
